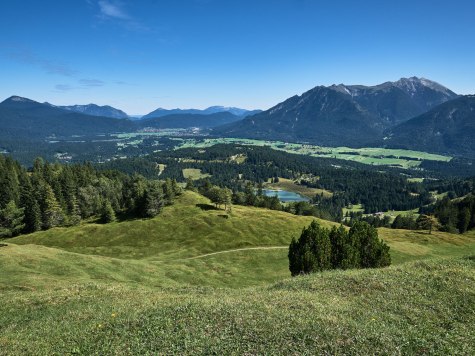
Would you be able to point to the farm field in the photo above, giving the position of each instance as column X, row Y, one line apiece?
column 194, row 174
column 372, row 156
column 194, row 281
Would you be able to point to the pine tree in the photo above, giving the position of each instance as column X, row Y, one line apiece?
column 168, row 191
column 154, row 199
column 373, row 251
column 190, row 185
column 52, row 214
column 311, row 252
column 107, row 213
column 11, row 220
column 339, row 241
column 9, row 185
column 319, row 249
column 30, row 204
column 74, row 217
column 464, row 219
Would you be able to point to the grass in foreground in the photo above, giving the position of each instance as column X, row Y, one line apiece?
column 156, row 287
column 424, row 307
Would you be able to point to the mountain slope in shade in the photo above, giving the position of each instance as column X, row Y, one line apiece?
column 96, row 110
column 160, row 112
column 342, row 115
column 28, row 119
column 190, row 120
column 448, row 128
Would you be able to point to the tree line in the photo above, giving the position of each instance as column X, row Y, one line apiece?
column 50, row 195
column 456, row 215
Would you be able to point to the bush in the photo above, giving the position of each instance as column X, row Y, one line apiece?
column 320, row 249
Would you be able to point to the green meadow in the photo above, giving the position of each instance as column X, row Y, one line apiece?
column 199, row 280
column 367, row 155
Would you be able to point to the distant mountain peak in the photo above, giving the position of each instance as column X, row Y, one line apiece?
column 414, row 84
column 339, row 115
column 19, row 99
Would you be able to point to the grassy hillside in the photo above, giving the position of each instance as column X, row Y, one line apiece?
column 415, row 308
column 193, row 281
column 192, row 243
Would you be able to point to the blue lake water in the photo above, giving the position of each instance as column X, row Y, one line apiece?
column 284, row 196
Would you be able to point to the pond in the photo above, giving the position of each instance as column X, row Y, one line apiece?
column 284, row 195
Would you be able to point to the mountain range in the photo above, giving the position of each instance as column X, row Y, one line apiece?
column 187, row 120
column 95, row 110
column 160, row 112
column 342, row 115
column 412, row 113
column 448, row 128
column 22, row 118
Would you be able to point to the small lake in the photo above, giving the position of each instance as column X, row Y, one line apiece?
column 284, row 195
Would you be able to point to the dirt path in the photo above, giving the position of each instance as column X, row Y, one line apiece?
column 239, row 249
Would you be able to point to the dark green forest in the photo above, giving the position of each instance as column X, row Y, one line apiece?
column 50, row 195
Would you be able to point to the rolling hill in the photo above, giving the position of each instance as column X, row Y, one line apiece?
column 149, row 286
column 341, row 115
column 448, row 128
column 190, row 232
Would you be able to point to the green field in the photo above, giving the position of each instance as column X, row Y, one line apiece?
column 194, row 174
column 369, row 155
column 199, row 280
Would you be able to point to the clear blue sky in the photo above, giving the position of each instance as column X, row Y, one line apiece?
column 143, row 54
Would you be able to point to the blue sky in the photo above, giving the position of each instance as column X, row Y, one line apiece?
column 143, row 54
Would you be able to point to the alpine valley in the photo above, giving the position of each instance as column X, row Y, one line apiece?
column 340, row 221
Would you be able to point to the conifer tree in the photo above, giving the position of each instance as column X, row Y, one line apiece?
column 11, row 220
column 154, row 200
column 169, row 191
column 107, row 213
column 311, row 252
column 464, row 220
column 190, row 185
column 319, row 249
column 30, row 204
column 373, row 251
column 74, row 217
column 52, row 214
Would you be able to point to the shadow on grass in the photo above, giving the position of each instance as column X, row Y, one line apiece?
column 207, row 207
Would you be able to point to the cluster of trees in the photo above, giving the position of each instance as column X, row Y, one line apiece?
column 320, row 249
column 225, row 196
column 402, row 221
column 375, row 221
column 51, row 195
column 456, row 215
column 218, row 196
